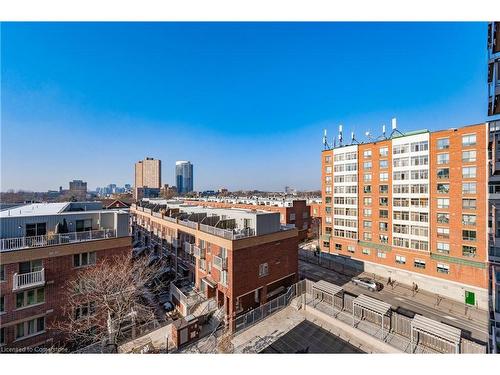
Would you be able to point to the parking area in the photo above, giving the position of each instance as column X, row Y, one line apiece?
column 307, row 337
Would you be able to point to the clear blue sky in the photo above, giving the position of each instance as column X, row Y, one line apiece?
column 245, row 102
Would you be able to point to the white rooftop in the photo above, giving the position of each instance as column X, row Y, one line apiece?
column 34, row 209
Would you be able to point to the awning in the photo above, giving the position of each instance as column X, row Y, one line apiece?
column 436, row 329
column 326, row 287
column 372, row 304
column 209, row 282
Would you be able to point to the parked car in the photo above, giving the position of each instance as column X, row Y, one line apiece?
column 367, row 283
column 168, row 306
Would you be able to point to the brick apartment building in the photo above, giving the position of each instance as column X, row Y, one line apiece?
column 37, row 260
column 412, row 207
column 241, row 258
column 292, row 211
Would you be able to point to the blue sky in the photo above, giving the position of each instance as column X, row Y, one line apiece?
column 244, row 102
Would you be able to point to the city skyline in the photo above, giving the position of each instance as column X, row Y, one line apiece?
column 90, row 89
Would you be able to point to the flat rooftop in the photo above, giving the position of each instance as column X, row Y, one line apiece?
column 48, row 209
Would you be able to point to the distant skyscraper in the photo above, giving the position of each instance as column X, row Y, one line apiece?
column 184, row 176
column 148, row 174
column 78, row 188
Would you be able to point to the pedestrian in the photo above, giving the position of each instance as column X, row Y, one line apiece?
column 413, row 288
column 389, row 281
column 416, row 288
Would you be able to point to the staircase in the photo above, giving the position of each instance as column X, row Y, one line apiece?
column 204, row 307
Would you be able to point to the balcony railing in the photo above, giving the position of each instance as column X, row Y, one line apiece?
column 188, row 248
column 28, row 280
column 8, row 244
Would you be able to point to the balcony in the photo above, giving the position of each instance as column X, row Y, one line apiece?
column 219, row 263
column 28, row 280
column 8, row 244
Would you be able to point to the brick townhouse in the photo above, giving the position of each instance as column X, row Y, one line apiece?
column 43, row 245
column 241, row 258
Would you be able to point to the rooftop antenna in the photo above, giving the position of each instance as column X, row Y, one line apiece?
column 340, row 134
column 395, row 127
column 369, row 136
column 325, row 141
column 353, row 139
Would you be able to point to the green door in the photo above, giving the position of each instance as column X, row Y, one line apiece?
column 470, row 298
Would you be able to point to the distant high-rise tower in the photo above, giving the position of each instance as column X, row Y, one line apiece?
column 493, row 68
column 184, row 176
column 147, row 174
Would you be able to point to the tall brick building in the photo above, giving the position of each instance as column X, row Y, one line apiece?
column 42, row 246
column 240, row 258
column 412, row 207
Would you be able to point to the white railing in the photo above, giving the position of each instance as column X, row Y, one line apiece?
column 219, row 263
column 7, row 244
column 25, row 280
column 190, row 224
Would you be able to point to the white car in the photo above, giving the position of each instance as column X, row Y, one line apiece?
column 367, row 283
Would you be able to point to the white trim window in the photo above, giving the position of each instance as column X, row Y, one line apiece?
column 30, row 328
column 443, row 268
column 468, row 140
column 400, row 259
column 84, row 259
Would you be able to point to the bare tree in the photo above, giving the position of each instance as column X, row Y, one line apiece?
column 102, row 299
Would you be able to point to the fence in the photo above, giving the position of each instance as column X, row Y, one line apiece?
column 337, row 263
column 254, row 316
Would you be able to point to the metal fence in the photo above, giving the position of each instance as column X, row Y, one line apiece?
column 252, row 317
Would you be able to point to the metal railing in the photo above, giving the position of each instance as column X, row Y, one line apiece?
column 7, row 244
column 30, row 279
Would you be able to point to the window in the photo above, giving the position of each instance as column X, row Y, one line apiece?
column 469, row 172
column 401, row 149
column 367, row 212
column 443, row 188
column 37, row 229
column 83, row 225
column 469, row 156
column 443, row 248
column 469, row 219
column 419, row 263
column 419, row 146
column 419, row 160
column 350, row 249
column 443, row 232
column 2, row 304
column 383, row 227
column 2, row 272
column 400, row 259
column 401, row 162
column 468, row 251
column 338, row 247
column 468, row 140
column 383, row 214
column 367, row 236
column 443, row 203
column 384, row 151
column 367, row 201
column 468, row 188
column 367, row 224
column 443, row 218
column 85, row 310
column 443, row 268
column 383, row 164
column 367, row 165
column 328, row 169
column 367, row 177
column 443, row 144
column 367, row 154
column 443, row 173
column 30, row 327
column 367, row 189
column 468, row 204
column 30, row 266
column 384, row 201
column 383, row 238
column 263, row 270
column 443, row 158
column 468, row 235
column 381, row 254
column 366, row 251
column 384, row 176
column 86, row 259
column 30, row 297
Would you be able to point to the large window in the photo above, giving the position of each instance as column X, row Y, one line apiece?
column 30, row 297
column 443, row 233
column 443, row 248
column 383, row 164
column 419, row 263
column 469, row 235
column 443, row 158
column 443, row 188
column 85, row 310
column 468, row 251
column 419, row 146
column 443, row 144
column 469, row 172
column 443, row 268
column 443, row 203
column 468, row 204
column 468, row 188
column 84, row 259
column 469, row 156
column 443, row 218
column 400, row 259
column 367, row 165
column 2, row 272
column 384, row 151
column 384, row 176
column 469, row 219
column 37, row 229
column 85, row 225
column 30, row 327
column 443, row 173
column 367, row 153
column 30, row 266
column 468, row 140
column 383, row 214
